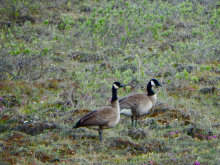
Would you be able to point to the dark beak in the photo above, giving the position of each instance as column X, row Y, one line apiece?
column 121, row 86
column 159, row 84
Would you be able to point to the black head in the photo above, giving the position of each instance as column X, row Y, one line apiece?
column 117, row 85
column 154, row 82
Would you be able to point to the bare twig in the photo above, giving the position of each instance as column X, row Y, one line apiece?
column 25, row 61
column 86, row 36
column 187, row 57
column 4, row 5
column 206, row 9
column 8, row 72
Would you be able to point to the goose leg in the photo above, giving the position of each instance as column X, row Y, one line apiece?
column 136, row 119
column 136, row 122
column 132, row 121
column 100, row 135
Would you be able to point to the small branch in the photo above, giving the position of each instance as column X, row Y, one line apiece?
column 86, row 36
column 187, row 57
column 8, row 72
column 206, row 9
column 4, row 5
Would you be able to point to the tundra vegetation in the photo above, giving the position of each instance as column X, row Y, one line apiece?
column 58, row 60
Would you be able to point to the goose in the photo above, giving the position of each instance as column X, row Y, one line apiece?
column 137, row 104
column 104, row 117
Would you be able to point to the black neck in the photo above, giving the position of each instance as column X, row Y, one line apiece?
column 114, row 94
column 149, row 89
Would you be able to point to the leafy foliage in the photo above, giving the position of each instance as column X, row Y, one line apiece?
column 58, row 61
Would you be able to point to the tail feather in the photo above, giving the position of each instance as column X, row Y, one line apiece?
column 77, row 125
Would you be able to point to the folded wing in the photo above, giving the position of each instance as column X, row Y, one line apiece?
column 98, row 117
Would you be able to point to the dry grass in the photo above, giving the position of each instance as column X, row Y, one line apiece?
column 59, row 59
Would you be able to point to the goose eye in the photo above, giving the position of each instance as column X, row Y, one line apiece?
column 115, row 86
column 152, row 83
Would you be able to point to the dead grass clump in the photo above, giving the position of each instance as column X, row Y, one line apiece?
column 64, row 149
column 22, row 19
column 167, row 114
column 188, row 68
column 5, row 118
column 35, row 128
column 90, row 58
column 3, row 85
column 85, row 9
column 123, row 144
column 14, row 140
column 135, row 133
column 198, row 132
column 113, row 52
column 208, row 90
column 155, row 145
column 140, row 148
column 81, row 112
column 164, row 46
column 8, row 101
column 43, row 156
column 5, row 25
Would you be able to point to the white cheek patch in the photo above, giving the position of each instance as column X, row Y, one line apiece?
column 116, row 87
column 152, row 83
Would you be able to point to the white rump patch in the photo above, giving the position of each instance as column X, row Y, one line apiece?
column 152, row 83
column 116, row 87
column 126, row 112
